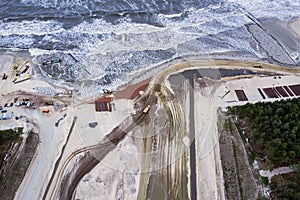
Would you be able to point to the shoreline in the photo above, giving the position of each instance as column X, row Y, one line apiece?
column 178, row 65
column 294, row 25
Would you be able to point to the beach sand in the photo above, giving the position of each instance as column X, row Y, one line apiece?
column 295, row 26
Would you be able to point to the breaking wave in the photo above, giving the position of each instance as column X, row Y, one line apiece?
column 112, row 39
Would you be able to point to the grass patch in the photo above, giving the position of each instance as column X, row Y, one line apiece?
column 237, row 169
column 14, row 177
column 265, row 180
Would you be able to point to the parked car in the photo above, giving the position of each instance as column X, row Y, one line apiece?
column 5, row 105
column 3, row 111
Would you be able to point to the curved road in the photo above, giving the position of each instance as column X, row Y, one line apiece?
column 149, row 97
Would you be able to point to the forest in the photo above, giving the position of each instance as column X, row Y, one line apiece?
column 286, row 186
column 275, row 130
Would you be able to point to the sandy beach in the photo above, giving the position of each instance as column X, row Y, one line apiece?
column 295, row 26
column 53, row 138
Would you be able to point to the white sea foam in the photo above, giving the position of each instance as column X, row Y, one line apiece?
column 100, row 44
column 38, row 52
column 56, row 3
column 34, row 27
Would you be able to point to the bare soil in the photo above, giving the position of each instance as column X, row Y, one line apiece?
column 238, row 176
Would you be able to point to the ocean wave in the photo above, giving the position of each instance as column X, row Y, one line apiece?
column 112, row 39
column 34, row 27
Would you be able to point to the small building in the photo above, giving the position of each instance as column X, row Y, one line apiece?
column 103, row 104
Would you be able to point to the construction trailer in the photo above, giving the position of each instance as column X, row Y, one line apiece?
column 21, row 79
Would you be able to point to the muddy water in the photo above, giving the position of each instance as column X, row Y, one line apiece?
column 159, row 193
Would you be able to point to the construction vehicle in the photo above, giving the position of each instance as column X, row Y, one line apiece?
column 63, row 109
column 16, row 65
column 51, row 62
column 146, row 110
column 45, row 111
column 23, row 69
column 49, row 103
column 21, row 79
column 107, row 91
column 257, row 66
column 24, row 66
column 4, row 77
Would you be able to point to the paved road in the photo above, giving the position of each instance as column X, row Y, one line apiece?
column 192, row 138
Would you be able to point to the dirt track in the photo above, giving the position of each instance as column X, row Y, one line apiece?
column 160, row 78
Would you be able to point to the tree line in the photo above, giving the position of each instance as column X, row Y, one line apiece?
column 274, row 129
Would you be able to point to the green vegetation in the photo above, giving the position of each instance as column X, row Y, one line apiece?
column 6, row 138
column 10, row 134
column 286, row 186
column 238, row 180
column 275, row 130
column 11, row 180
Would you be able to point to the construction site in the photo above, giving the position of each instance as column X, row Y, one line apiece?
column 163, row 135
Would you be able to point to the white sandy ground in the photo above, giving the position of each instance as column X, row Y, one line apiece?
column 208, row 162
column 210, row 177
column 52, row 139
column 295, row 26
column 45, row 156
column 83, row 136
column 48, row 151
column 250, row 87
column 209, row 169
column 117, row 177
column 277, row 171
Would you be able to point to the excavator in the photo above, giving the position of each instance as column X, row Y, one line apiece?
column 107, row 91
column 4, row 77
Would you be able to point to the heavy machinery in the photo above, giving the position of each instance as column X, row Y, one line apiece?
column 45, row 111
column 146, row 110
column 49, row 103
column 4, row 77
column 257, row 66
column 107, row 91
column 51, row 62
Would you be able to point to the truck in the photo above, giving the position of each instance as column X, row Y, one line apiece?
column 146, row 110
column 48, row 103
column 257, row 66
column 4, row 77
column 107, row 91
column 23, row 69
column 21, row 79
column 45, row 111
